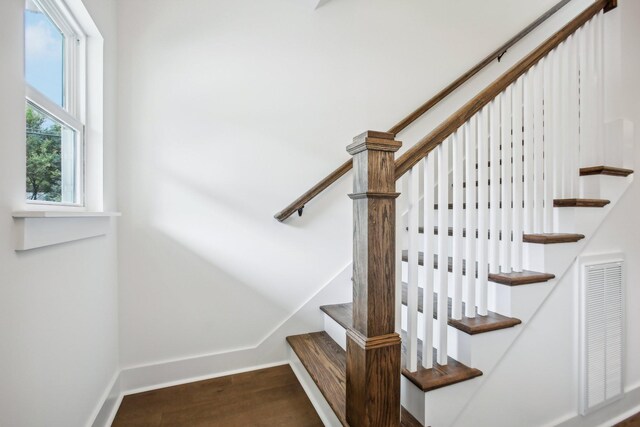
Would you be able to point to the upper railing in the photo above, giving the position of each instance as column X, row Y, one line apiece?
column 444, row 130
column 299, row 204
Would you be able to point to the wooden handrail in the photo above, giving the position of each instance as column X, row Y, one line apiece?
column 412, row 156
column 299, row 204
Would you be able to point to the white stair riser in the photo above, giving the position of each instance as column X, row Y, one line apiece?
column 326, row 414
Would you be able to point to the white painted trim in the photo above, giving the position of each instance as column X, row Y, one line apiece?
column 41, row 102
column 239, row 349
column 319, row 3
column 202, row 377
column 320, row 404
column 626, row 407
column 32, row 232
column 115, row 385
column 62, row 214
column 105, row 411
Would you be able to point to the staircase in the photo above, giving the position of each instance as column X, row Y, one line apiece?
column 494, row 206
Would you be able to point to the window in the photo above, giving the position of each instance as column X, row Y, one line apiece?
column 54, row 105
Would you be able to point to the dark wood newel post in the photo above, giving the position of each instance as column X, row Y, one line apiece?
column 373, row 346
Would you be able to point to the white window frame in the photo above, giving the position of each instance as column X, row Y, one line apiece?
column 73, row 111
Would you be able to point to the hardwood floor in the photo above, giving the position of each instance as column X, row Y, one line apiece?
column 633, row 421
column 266, row 397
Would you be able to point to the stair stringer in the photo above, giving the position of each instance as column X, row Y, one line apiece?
column 443, row 406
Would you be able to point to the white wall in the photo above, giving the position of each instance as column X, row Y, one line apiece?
column 58, row 305
column 536, row 383
column 228, row 110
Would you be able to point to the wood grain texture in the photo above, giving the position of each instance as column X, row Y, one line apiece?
column 305, row 198
column 611, row 4
column 580, row 203
column 421, row 149
column 511, row 279
column 341, row 313
column 439, row 376
column 470, row 325
column 326, row 363
column 552, row 238
column 373, row 347
column 543, row 238
column 266, row 397
column 373, row 395
column 523, row 278
column 633, row 421
column 605, row 170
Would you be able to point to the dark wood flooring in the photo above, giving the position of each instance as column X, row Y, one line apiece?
column 633, row 421
column 266, row 397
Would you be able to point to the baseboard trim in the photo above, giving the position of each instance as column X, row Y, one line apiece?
column 202, row 377
column 320, row 404
column 608, row 415
column 269, row 352
column 108, row 405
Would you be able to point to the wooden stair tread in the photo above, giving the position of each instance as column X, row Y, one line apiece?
column 605, row 170
column 523, row 278
column 557, row 203
column 470, row 325
column 341, row 313
column 552, row 238
column 326, row 363
column 542, row 238
column 511, row 279
column 425, row 379
column 580, row 203
column 439, row 376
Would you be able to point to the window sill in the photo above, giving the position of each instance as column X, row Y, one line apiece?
column 63, row 214
column 37, row 229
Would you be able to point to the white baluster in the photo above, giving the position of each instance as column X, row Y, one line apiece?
column 588, row 127
column 506, row 126
column 443, row 270
column 528, row 152
column 563, row 145
column 458, row 213
column 412, row 259
column 599, row 51
column 548, row 143
column 517, row 189
column 573, row 120
column 429, row 250
column 538, row 149
column 471, row 135
column 556, row 124
column 483, row 210
column 400, row 244
column 494, row 170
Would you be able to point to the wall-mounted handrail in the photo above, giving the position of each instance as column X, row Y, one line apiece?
column 420, row 150
column 299, row 204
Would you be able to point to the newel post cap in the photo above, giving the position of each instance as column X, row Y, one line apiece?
column 373, row 140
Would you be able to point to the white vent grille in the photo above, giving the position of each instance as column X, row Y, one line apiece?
column 602, row 334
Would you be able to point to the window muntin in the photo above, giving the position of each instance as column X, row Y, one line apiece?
column 54, row 125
